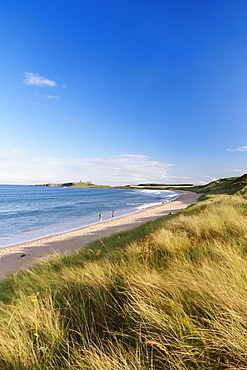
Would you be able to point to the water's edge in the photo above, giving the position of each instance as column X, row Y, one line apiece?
column 60, row 223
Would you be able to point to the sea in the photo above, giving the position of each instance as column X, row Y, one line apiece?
column 31, row 212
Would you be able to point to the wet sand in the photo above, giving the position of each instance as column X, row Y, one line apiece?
column 24, row 255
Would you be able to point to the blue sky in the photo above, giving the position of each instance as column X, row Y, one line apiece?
column 123, row 91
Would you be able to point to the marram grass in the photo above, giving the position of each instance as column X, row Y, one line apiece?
column 171, row 294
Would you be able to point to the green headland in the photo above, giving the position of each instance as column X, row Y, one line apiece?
column 79, row 184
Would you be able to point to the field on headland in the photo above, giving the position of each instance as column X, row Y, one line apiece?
column 170, row 294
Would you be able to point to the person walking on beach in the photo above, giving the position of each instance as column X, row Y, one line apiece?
column 113, row 214
column 100, row 217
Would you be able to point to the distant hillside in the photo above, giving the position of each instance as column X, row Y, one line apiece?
column 230, row 185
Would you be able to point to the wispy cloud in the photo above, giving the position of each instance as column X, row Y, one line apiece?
column 41, row 97
column 15, row 151
column 117, row 170
column 239, row 149
column 126, row 168
column 37, row 80
column 51, row 97
column 239, row 170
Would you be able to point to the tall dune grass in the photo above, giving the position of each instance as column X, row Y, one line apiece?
column 171, row 294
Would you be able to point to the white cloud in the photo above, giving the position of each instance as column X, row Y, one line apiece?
column 239, row 149
column 238, row 170
column 231, row 170
column 51, row 97
column 117, row 170
column 126, row 169
column 15, row 151
column 37, row 80
column 209, row 178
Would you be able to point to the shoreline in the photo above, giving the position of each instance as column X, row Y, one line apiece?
column 23, row 255
column 23, row 232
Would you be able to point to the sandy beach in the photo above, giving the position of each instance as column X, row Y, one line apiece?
column 24, row 255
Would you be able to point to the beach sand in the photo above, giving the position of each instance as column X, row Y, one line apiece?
column 24, row 255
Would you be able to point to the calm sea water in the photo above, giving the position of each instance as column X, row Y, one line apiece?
column 30, row 212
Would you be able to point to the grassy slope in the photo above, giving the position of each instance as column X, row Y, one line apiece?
column 171, row 294
column 229, row 186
